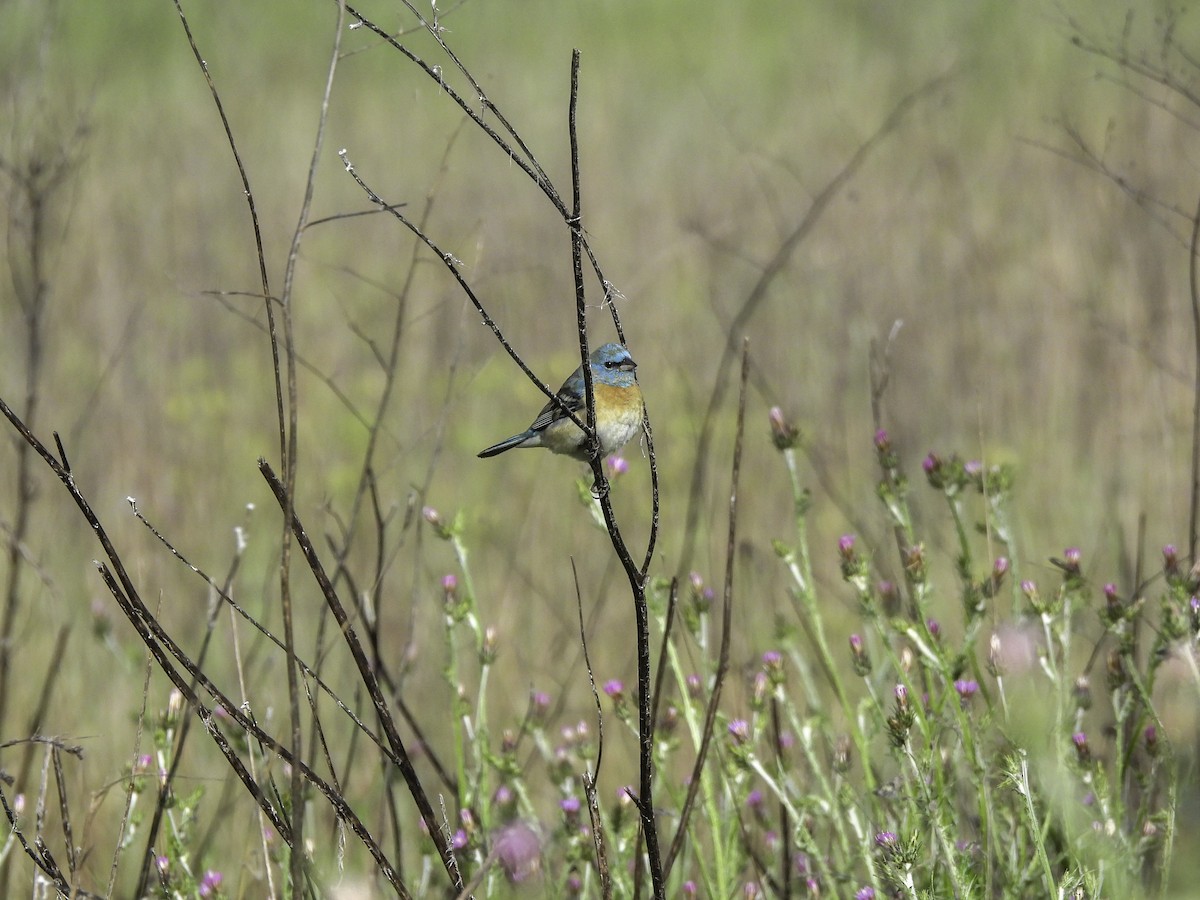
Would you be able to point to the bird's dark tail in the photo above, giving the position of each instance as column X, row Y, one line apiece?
column 515, row 441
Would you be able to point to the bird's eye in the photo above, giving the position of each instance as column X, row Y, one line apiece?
column 610, row 364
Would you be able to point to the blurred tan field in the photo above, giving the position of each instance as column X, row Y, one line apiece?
column 1045, row 317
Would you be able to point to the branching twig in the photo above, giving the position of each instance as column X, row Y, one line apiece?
column 368, row 679
column 287, row 434
column 758, row 295
column 637, row 578
column 163, row 648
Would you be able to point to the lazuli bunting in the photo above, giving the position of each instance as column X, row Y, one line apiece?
column 618, row 410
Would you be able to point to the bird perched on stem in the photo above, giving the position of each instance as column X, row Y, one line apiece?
column 618, row 410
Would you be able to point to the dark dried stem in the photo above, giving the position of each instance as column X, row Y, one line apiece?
column 367, row 675
column 590, row 778
column 637, row 580
column 1194, row 290
column 163, row 648
column 287, row 439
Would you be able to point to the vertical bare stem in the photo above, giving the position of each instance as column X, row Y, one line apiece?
column 710, row 717
column 33, row 194
column 287, row 448
column 1194, row 285
column 637, row 581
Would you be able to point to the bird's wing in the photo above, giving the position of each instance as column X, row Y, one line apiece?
column 571, row 399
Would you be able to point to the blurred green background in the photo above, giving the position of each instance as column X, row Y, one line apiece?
column 1045, row 310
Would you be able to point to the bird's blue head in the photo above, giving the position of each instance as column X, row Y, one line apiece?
column 612, row 364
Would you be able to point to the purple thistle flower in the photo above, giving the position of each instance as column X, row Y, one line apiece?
column 210, row 883
column 858, row 655
column 1112, row 602
column 614, row 688
column 1082, row 750
column 966, row 688
column 886, row 839
column 739, row 730
column 569, row 805
column 617, row 466
column 783, row 432
column 754, row 799
column 867, row 893
column 846, row 546
column 883, row 443
column 519, row 852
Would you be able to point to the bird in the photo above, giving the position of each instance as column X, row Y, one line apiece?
column 618, row 410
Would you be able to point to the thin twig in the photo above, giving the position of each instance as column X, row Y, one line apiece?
column 369, row 680
column 1194, row 294
column 710, row 715
column 287, row 440
column 637, row 578
column 162, row 647
column 590, row 778
column 758, row 295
